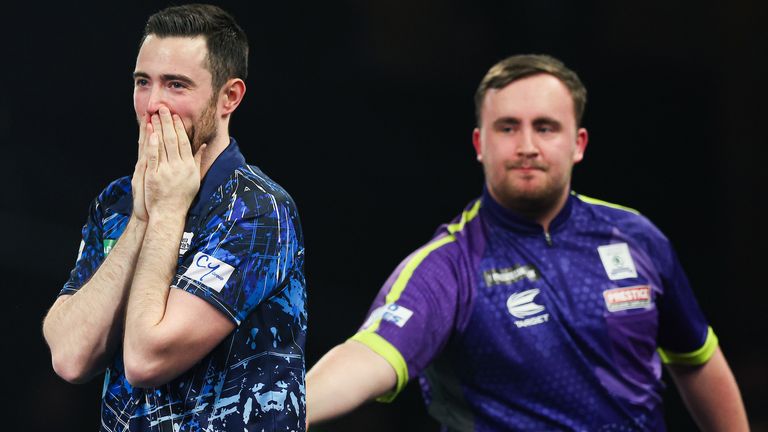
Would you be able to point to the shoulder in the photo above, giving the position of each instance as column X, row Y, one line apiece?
column 115, row 192
column 622, row 219
column 248, row 192
column 451, row 241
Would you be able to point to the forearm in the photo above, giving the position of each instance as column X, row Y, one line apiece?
column 343, row 379
column 83, row 330
column 143, row 341
column 711, row 395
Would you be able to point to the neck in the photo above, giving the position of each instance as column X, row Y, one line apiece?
column 541, row 211
column 213, row 150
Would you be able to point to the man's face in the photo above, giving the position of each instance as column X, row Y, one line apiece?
column 528, row 141
column 172, row 72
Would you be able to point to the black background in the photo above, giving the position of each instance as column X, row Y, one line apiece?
column 363, row 111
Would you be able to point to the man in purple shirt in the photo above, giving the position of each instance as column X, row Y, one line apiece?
column 536, row 308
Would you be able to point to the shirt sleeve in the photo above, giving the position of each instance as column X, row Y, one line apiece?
column 415, row 311
column 684, row 334
column 91, row 253
column 235, row 263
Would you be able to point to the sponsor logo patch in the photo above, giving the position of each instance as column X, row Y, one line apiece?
column 510, row 275
column 209, row 271
column 108, row 245
column 617, row 261
column 634, row 297
column 521, row 305
column 393, row 313
column 186, row 240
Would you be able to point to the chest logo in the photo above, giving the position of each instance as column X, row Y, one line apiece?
column 521, row 305
column 510, row 275
column 617, row 261
column 634, row 297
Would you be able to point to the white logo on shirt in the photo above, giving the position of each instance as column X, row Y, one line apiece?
column 186, row 240
column 521, row 305
column 393, row 313
column 209, row 271
column 617, row 261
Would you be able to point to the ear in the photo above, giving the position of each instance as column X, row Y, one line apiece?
column 476, row 144
column 231, row 95
column 582, row 137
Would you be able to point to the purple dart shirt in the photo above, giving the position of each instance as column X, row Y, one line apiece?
column 512, row 328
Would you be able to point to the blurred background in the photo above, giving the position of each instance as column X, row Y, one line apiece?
column 363, row 111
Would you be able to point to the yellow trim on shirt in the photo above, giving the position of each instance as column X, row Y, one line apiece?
column 596, row 201
column 382, row 347
column 378, row 344
column 694, row 358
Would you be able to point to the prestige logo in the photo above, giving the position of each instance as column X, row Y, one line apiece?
column 634, row 297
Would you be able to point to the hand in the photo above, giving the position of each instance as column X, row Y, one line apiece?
column 172, row 176
column 137, row 181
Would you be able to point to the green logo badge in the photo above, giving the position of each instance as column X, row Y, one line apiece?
column 108, row 245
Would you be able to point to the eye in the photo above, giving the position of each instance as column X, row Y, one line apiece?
column 177, row 85
column 140, row 82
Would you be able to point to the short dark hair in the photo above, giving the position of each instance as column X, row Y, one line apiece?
column 518, row 67
column 226, row 42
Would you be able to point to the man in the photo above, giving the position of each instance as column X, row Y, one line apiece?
column 536, row 308
column 189, row 287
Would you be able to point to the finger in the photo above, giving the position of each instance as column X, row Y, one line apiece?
column 170, row 139
column 148, row 130
column 142, row 130
column 185, row 147
column 157, row 125
column 153, row 151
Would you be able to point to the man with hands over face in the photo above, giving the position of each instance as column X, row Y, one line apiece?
column 188, row 290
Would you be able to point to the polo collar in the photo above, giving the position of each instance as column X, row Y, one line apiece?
column 229, row 160
column 501, row 216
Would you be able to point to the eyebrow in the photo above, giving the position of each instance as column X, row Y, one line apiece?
column 167, row 77
column 506, row 121
column 546, row 121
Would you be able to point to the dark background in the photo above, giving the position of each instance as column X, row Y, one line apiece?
column 363, row 111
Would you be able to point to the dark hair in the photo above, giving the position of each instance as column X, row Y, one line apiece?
column 518, row 67
column 226, row 42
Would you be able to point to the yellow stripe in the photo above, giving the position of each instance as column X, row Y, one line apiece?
column 380, row 345
column 467, row 216
column 695, row 358
column 385, row 349
column 589, row 200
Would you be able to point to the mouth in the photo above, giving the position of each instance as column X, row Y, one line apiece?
column 526, row 167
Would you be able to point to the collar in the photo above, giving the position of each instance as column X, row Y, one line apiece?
column 227, row 161
column 505, row 218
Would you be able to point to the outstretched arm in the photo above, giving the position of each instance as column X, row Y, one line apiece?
column 711, row 394
column 346, row 377
column 84, row 329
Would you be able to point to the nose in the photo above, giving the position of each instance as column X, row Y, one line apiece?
column 526, row 145
column 155, row 100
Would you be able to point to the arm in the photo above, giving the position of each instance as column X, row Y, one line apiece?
column 163, row 335
column 84, row 329
column 346, row 377
column 711, row 394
